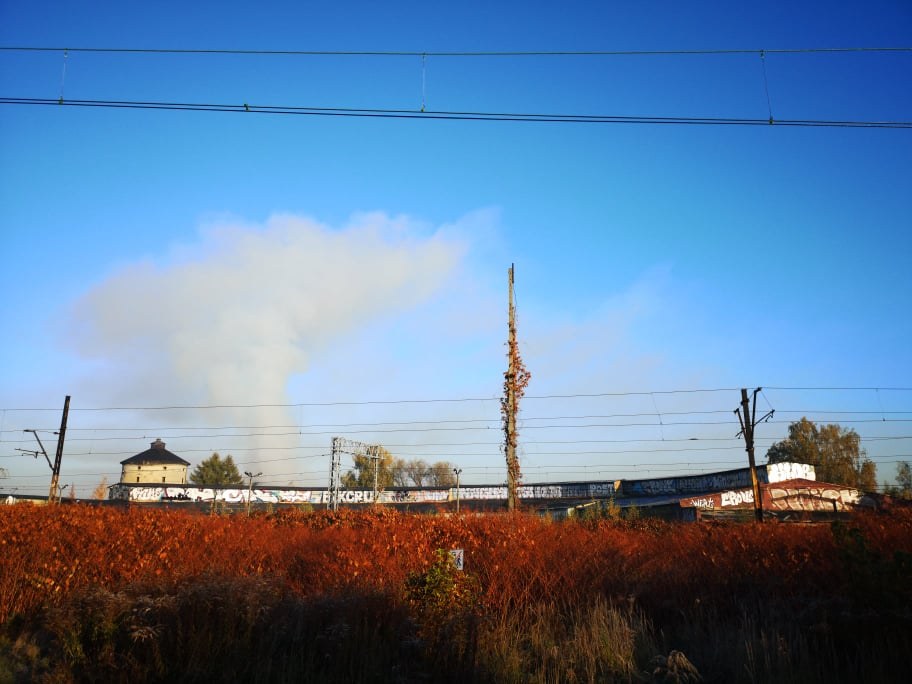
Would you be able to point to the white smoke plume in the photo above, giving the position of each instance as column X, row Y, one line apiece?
column 230, row 319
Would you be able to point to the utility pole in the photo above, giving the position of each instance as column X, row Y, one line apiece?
column 250, row 477
column 374, row 453
column 509, row 401
column 61, row 436
column 457, row 472
column 748, row 420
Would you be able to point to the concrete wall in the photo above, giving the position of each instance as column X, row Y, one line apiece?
column 795, row 495
column 714, row 482
column 287, row 495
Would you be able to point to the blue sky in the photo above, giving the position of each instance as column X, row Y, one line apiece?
column 160, row 258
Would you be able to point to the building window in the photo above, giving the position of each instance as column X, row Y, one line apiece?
column 163, row 479
column 137, row 478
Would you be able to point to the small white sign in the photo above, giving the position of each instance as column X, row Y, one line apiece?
column 458, row 556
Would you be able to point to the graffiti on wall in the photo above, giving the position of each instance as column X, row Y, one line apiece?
column 571, row 490
column 701, row 502
column 811, row 498
column 780, row 472
column 709, row 482
column 731, row 498
column 690, row 484
column 586, row 490
column 744, row 497
column 795, row 496
column 731, row 480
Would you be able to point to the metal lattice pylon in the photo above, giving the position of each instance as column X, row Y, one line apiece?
column 341, row 445
column 335, row 474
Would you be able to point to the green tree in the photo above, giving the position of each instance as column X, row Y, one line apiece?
column 834, row 451
column 215, row 471
column 362, row 476
column 904, row 480
column 867, row 476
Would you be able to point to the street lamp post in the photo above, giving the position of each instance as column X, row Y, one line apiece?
column 250, row 477
column 457, row 471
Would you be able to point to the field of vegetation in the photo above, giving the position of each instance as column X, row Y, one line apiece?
column 100, row 594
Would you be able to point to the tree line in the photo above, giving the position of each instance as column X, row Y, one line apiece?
column 390, row 472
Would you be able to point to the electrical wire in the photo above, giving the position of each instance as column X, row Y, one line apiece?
column 453, row 116
column 389, row 423
column 679, row 466
column 589, row 426
column 576, row 395
column 764, row 443
column 164, row 430
column 459, row 53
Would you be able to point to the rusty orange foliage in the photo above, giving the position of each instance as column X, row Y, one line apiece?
column 51, row 553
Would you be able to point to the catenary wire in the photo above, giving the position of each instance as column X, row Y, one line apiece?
column 454, row 116
column 451, row 429
column 164, row 430
column 577, row 395
column 456, row 53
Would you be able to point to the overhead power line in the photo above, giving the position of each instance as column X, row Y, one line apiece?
column 615, row 469
column 410, row 430
column 572, row 395
column 455, row 53
column 371, row 402
column 165, row 430
column 247, row 108
column 225, row 430
column 699, row 444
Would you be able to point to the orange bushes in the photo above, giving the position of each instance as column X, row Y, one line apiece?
column 50, row 553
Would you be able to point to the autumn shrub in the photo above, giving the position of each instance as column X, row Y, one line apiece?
column 602, row 599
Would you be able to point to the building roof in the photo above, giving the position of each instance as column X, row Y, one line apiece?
column 157, row 455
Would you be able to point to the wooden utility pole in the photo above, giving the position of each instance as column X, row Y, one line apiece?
column 53, row 495
column 516, row 379
column 748, row 420
column 510, row 387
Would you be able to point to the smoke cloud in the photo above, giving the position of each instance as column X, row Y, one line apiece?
column 230, row 319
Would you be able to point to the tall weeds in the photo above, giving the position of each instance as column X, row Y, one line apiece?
column 90, row 594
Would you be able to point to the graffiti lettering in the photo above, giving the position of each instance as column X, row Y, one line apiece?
column 691, row 484
column 739, row 498
column 780, row 472
column 828, row 498
column 702, row 503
